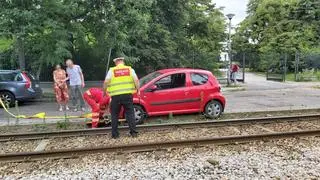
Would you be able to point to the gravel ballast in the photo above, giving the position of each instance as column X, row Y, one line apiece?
column 278, row 159
column 18, row 146
column 155, row 136
column 174, row 134
column 151, row 136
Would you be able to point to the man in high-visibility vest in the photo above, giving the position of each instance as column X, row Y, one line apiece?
column 122, row 82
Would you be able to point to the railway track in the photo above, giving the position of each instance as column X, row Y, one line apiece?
column 158, row 145
column 103, row 131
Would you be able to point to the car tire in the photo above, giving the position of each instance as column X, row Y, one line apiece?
column 213, row 109
column 140, row 114
column 7, row 98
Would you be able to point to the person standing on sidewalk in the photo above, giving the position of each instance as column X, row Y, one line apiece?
column 234, row 72
column 121, row 83
column 75, row 76
column 60, row 87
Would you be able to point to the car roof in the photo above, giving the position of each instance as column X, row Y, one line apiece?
column 162, row 71
column 9, row 71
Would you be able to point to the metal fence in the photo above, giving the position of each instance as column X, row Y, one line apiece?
column 281, row 66
column 296, row 67
column 240, row 60
column 277, row 66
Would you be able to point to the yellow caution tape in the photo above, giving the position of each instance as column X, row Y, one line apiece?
column 5, row 108
column 42, row 115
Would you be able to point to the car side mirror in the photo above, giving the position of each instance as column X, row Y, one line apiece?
column 152, row 88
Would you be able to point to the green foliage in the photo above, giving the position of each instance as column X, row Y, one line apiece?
column 278, row 26
column 5, row 44
column 170, row 116
column 63, row 125
column 41, row 27
column 40, row 127
column 151, row 34
column 305, row 75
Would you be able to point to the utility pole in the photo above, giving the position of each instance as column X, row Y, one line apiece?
column 296, row 67
column 21, row 54
column 285, row 67
column 243, row 66
column 229, row 16
column 193, row 59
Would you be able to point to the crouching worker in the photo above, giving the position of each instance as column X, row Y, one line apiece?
column 98, row 102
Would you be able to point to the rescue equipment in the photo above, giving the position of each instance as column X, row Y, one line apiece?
column 42, row 115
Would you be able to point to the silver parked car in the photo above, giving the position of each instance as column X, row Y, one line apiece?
column 18, row 85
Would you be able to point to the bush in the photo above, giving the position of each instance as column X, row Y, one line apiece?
column 309, row 75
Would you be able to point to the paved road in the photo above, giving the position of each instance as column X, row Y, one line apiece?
column 262, row 95
column 259, row 95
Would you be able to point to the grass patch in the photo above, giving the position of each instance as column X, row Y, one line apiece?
column 305, row 76
column 64, row 125
column 40, row 127
column 48, row 95
column 290, row 77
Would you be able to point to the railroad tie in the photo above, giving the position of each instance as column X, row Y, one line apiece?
column 314, row 125
column 296, row 129
column 42, row 145
column 235, row 129
column 264, row 128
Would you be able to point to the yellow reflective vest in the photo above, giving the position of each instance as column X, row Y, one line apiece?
column 122, row 81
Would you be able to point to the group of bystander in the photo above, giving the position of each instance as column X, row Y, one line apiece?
column 120, row 84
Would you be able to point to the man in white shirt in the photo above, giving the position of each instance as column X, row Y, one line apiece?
column 76, row 78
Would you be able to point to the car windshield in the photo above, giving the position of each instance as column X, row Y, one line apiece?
column 149, row 78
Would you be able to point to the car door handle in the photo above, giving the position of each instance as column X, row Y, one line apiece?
column 186, row 92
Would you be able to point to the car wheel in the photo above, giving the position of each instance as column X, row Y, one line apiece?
column 140, row 114
column 7, row 98
column 213, row 109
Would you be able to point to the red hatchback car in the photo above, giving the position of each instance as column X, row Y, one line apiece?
column 179, row 91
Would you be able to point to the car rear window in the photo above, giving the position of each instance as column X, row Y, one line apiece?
column 199, row 79
column 18, row 77
column 30, row 76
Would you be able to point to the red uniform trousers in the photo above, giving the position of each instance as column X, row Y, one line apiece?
column 98, row 103
column 97, row 112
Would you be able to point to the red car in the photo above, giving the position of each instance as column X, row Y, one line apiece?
column 179, row 91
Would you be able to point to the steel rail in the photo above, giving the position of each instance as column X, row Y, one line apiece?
column 143, row 147
column 103, row 131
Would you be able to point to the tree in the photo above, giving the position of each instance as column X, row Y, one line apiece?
column 150, row 34
column 278, row 27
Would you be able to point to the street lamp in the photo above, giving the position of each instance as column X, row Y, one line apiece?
column 229, row 16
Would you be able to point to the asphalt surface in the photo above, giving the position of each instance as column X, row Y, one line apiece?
column 256, row 94
column 262, row 95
